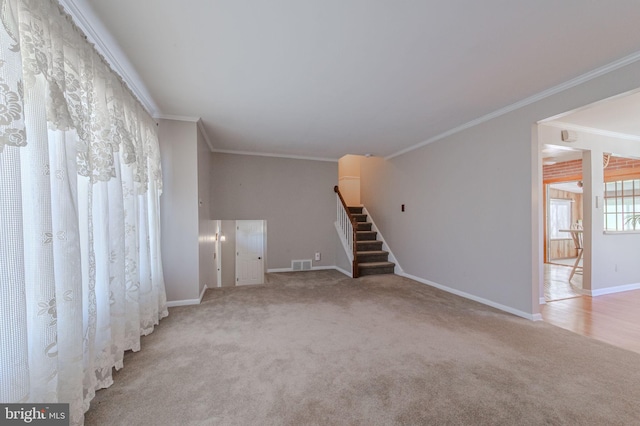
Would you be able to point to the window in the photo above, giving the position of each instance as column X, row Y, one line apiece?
column 621, row 202
column 559, row 218
column 80, row 182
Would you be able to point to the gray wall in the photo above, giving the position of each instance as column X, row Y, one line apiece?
column 179, row 209
column 206, row 225
column 295, row 197
column 471, row 199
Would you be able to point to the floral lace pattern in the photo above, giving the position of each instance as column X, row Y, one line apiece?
column 83, row 93
column 12, row 130
column 80, row 167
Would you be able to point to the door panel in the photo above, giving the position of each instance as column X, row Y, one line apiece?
column 249, row 252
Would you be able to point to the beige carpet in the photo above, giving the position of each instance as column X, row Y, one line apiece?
column 317, row 348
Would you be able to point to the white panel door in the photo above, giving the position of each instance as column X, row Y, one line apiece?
column 249, row 252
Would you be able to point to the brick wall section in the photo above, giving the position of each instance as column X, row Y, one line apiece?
column 574, row 167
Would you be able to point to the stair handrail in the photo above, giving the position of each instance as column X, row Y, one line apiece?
column 349, row 234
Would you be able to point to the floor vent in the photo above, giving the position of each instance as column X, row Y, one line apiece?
column 301, row 265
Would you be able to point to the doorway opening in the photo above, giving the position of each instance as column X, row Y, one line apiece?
column 563, row 219
column 604, row 140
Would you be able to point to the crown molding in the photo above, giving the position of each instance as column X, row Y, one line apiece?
column 591, row 130
column 266, row 154
column 205, row 135
column 622, row 62
column 97, row 34
column 176, row 117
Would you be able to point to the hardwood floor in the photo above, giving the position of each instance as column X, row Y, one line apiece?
column 611, row 318
column 556, row 282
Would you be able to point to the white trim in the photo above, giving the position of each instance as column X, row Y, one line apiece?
column 611, row 290
column 542, row 301
column 265, row 154
column 269, row 271
column 392, row 258
column 204, row 133
column 344, row 271
column 591, row 130
column 177, row 117
column 634, row 57
column 313, row 268
column 86, row 19
column 187, row 302
column 204, row 289
column 626, row 232
column 322, row 268
column 517, row 312
column 97, row 33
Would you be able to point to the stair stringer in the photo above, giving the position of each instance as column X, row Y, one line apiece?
column 397, row 269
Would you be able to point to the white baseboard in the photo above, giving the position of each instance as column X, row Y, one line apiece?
column 313, row 268
column 204, row 289
column 187, row 302
column 344, row 271
column 279, row 270
column 611, row 290
column 505, row 308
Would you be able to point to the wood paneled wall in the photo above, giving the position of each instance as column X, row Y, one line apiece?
column 561, row 249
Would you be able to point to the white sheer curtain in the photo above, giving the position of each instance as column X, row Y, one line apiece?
column 80, row 268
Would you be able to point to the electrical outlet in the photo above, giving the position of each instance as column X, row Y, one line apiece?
column 318, row 255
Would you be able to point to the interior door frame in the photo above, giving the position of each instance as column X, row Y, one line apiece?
column 218, row 254
column 263, row 249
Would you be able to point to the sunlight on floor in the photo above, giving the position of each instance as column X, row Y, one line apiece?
column 557, row 285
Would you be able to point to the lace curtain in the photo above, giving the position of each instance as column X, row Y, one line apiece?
column 80, row 268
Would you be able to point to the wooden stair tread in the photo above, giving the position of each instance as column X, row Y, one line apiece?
column 372, row 252
column 376, row 264
column 368, row 242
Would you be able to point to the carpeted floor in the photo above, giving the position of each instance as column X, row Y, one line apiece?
column 318, row 348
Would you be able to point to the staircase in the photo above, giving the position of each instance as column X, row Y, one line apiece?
column 372, row 260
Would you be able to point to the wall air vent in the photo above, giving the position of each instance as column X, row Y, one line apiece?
column 301, row 265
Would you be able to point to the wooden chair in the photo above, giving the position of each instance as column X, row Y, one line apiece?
column 576, row 234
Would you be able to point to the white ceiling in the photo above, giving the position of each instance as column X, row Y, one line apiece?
column 618, row 115
column 328, row 78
